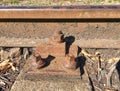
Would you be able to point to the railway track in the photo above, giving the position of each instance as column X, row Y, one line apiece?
column 85, row 26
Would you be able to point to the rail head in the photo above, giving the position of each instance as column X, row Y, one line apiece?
column 60, row 12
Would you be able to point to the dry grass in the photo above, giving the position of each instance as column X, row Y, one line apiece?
column 57, row 2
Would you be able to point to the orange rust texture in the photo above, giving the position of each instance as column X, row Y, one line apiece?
column 73, row 50
column 57, row 50
column 45, row 14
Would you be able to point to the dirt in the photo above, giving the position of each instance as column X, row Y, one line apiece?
column 45, row 30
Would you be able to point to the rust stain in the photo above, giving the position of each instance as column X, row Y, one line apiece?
column 67, row 12
column 57, row 60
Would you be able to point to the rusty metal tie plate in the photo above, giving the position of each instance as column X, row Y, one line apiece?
column 57, row 58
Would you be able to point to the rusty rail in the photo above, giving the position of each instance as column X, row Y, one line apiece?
column 60, row 12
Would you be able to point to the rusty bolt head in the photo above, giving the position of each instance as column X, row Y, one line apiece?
column 36, row 54
column 70, row 62
column 58, row 32
column 38, row 62
column 57, row 37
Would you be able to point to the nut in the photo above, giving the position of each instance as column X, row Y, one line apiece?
column 70, row 62
column 38, row 62
column 57, row 37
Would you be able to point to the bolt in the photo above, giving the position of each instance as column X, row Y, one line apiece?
column 57, row 37
column 36, row 54
column 70, row 62
column 38, row 62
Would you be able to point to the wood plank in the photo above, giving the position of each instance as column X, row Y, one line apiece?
column 83, row 43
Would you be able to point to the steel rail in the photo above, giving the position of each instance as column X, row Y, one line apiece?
column 60, row 12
